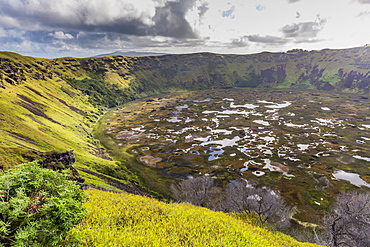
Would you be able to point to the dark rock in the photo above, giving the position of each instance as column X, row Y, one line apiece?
column 1, row 81
column 10, row 81
column 327, row 86
column 57, row 162
column 61, row 161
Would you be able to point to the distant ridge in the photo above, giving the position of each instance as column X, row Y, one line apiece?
column 131, row 54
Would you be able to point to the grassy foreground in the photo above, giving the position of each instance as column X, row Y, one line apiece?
column 130, row 220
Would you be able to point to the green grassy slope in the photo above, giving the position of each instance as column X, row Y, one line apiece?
column 129, row 220
column 40, row 112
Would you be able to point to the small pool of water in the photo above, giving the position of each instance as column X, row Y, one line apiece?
column 361, row 158
column 353, row 178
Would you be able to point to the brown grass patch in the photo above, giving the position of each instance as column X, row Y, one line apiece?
column 150, row 160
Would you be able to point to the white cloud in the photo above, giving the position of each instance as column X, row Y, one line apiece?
column 136, row 17
column 3, row 32
column 363, row 14
column 61, row 35
column 304, row 29
column 267, row 39
column 237, row 26
column 364, row 1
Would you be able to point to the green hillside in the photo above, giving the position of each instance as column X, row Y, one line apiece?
column 40, row 113
column 130, row 220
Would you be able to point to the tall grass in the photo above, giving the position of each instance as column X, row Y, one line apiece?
column 130, row 220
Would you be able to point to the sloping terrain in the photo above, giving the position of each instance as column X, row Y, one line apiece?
column 130, row 220
column 40, row 112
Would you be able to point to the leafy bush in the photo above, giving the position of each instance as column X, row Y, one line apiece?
column 38, row 206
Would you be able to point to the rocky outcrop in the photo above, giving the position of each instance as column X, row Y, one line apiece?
column 61, row 161
column 57, row 162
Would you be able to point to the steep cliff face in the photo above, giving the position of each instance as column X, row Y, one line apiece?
column 342, row 70
column 324, row 70
column 130, row 78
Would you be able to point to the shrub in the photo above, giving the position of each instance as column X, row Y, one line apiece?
column 38, row 206
column 349, row 223
column 199, row 191
column 266, row 203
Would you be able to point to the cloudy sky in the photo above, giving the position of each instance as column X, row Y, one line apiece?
column 56, row 28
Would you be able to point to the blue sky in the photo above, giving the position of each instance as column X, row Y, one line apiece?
column 56, row 28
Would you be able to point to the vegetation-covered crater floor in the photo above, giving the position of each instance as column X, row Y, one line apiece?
column 309, row 145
